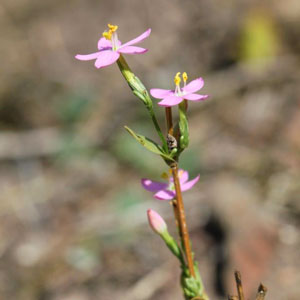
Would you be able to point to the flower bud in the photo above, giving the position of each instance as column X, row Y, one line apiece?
column 156, row 222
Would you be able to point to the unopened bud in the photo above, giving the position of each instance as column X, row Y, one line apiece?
column 156, row 222
column 159, row 226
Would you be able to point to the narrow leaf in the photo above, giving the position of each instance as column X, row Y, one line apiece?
column 148, row 144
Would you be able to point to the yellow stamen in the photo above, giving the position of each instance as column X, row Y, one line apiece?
column 180, row 173
column 184, row 77
column 177, row 79
column 107, row 34
column 112, row 28
column 164, row 175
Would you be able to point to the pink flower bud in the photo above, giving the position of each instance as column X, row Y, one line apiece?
column 156, row 222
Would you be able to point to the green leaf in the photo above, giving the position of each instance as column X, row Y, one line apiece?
column 149, row 144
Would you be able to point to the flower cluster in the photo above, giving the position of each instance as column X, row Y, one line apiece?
column 110, row 48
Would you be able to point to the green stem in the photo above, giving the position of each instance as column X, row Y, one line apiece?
column 173, row 246
column 141, row 92
column 157, row 127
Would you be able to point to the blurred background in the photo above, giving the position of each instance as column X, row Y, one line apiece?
column 73, row 213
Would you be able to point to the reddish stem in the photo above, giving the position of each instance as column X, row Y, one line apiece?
column 182, row 221
column 186, row 105
column 178, row 203
column 169, row 120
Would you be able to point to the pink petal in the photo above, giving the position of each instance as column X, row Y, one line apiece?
column 160, row 93
column 106, row 58
column 138, row 39
column 183, row 176
column 156, row 222
column 188, row 185
column 195, row 97
column 194, row 86
column 132, row 50
column 87, row 56
column 153, row 186
column 165, row 195
column 104, row 43
column 170, row 101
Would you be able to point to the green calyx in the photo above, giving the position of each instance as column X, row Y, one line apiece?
column 183, row 127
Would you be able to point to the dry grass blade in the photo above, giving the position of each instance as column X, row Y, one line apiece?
column 239, row 287
column 261, row 293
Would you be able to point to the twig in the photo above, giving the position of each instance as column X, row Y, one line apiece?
column 239, row 287
column 261, row 292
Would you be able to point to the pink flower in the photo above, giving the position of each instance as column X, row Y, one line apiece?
column 156, row 222
column 166, row 191
column 110, row 48
column 174, row 97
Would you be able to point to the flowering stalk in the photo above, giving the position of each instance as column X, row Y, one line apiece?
column 191, row 281
column 111, row 50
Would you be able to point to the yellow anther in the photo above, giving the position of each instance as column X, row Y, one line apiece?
column 164, row 175
column 180, row 173
column 184, row 77
column 107, row 34
column 177, row 79
column 112, row 28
